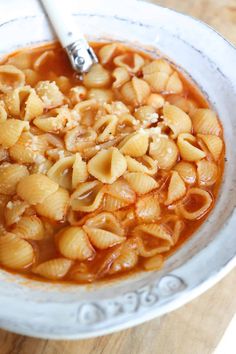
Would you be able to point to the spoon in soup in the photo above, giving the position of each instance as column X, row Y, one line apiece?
column 81, row 55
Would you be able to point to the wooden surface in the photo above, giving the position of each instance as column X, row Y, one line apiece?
column 195, row 328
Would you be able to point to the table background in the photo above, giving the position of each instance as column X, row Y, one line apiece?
column 195, row 328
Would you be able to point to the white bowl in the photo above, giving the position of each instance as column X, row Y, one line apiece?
column 70, row 311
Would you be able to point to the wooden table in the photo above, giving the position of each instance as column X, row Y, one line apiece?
column 195, row 328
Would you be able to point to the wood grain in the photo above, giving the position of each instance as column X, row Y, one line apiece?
column 195, row 328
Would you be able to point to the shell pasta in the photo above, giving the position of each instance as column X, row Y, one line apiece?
column 104, row 174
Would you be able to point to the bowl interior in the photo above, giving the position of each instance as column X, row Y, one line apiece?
column 44, row 309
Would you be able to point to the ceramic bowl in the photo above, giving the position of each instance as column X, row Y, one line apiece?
column 68, row 311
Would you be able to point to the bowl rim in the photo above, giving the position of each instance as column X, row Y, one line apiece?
column 182, row 297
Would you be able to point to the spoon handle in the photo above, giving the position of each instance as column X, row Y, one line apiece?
column 81, row 55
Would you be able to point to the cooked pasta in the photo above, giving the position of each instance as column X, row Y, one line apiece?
column 176, row 188
column 188, row 151
column 10, row 131
column 73, row 243
column 187, row 171
column 10, row 176
column 53, row 269
column 36, row 188
column 205, row 122
column 135, row 144
column 101, row 174
column 135, row 91
column 177, row 120
column 104, row 231
column 23, row 102
column 164, row 151
column 55, row 205
column 29, row 228
column 107, row 165
column 140, row 182
column 10, row 78
column 138, row 62
column 15, row 253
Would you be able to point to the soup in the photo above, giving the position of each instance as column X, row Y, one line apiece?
column 101, row 175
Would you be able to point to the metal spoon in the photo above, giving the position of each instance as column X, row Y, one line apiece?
column 81, row 55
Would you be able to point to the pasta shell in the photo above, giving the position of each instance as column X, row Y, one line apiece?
column 79, row 138
column 73, row 243
column 14, row 210
column 97, row 77
column 106, row 127
column 135, row 91
column 54, row 206
column 158, row 65
column 207, row 173
column 106, row 53
column 104, row 231
column 108, row 165
column 175, row 225
column 10, row 176
column 143, row 164
column 187, row 105
column 164, row 151
column 116, row 107
column 49, row 124
column 187, row 149
column 28, row 149
column 23, row 102
column 135, row 145
column 79, row 171
column 148, row 209
column 157, row 81
column 126, row 123
column 36, row 188
column 187, row 171
column 145, row 114
column 61, row 172
column 121, row 76
column 49, row 94
column 111, row 203
column 77, row 94
column 127, row 259
column 15, row 253
column 174, row 84
column 54, row 269
column 205, row 122
column 20, row 60
column 141, row 183
column 101, row 95
column 10, row 78
column 64, row 84
column 163, row 239
column 121, row 189
column 155, row 100
column 87, row 197
column 177, row 120
column 154, row 263
column 214, row 145
column 176, row 188
column 131, row 62
column 81, row 273
column 190, row 200
column 29, row 228
column 11, row 130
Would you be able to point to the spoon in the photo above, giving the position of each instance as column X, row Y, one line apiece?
column 81, row 55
